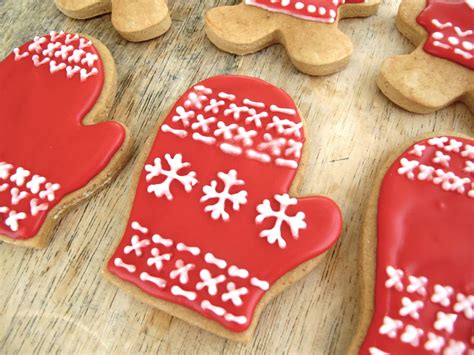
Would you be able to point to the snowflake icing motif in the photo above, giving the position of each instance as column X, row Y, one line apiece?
column 210, row 192
column 295, row 222
column 176, row 164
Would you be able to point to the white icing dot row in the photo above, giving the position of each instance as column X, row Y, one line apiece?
column 324, row 11
column 64, row 52
column 22, row 185
column 453, row 38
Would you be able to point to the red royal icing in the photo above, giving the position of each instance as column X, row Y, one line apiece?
column 424, row 293
column 450, row 25
column 313, row 10
column 226, row 128
column 47, row 86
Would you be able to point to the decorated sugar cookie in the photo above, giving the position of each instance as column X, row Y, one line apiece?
column 418, row 252
column 136, row 21
column 54, row 151
column 441, row 69
column 307, row 28
column 214, row 232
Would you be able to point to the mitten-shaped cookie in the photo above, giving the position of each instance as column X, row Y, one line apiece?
column 307, row 28
column 213, row 229
column 136, row 21
column 54, row 90
column 418, row 252
column 441, row 69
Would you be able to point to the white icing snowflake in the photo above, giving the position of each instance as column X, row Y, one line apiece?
column 157, row 259
column 5, row 170
column 218, row 209
column 13, row 219
column 295, row 222
column 176, row 164
column 183, row 116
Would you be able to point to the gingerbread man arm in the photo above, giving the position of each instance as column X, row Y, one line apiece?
column 315, row 48
column 84, row 9
column 420, row 82
column 137, row 19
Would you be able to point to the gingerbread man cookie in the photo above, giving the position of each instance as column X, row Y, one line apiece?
column 54, row 151
column 213, row 233
column 441, row 69
column 417, row 253
column 307, row 28
column 136, row 21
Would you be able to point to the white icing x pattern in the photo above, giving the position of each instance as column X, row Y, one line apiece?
column 231, row 283
column 29, row 195
column 64, row 52
column 197, row 119
column 439, row 173
column 451, row 306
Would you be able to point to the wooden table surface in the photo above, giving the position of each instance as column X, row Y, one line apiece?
column 55, row 300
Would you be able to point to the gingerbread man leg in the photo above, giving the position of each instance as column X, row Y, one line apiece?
column 421, row 83
column 310, row 34
column 140, row 20
column 440, row 71
column 84, row 9
column 136, row 21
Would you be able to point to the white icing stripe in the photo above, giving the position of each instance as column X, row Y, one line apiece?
column 462, row 53
column 286, row 163
column 203, row 89
column 264, row 285
column 119, row 263
column 156, row 280
column 254, row 103
column 234, row 271
column 193, row 250
column 235, row 319
column 441, row 25
column 211, row 259
column 205, row 139
column 136, row 226
column 158, row 239
column 230, row 149
column 261, row 157
column 178, row 291
column 206, row 305
column 286, row 111
column 226, row 96
column 177, row 132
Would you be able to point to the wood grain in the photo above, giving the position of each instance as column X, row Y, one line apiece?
column 55, row 300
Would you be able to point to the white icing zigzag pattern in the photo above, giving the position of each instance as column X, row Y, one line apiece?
column 439, row 172
column 29, row 194
column 66, row 53
column 197, row 120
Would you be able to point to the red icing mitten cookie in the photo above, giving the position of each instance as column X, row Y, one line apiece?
column 441, row 69
column 54, row 91
column 213, row 229
column 307, row 28
column 135, row 20
column 418, row 252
